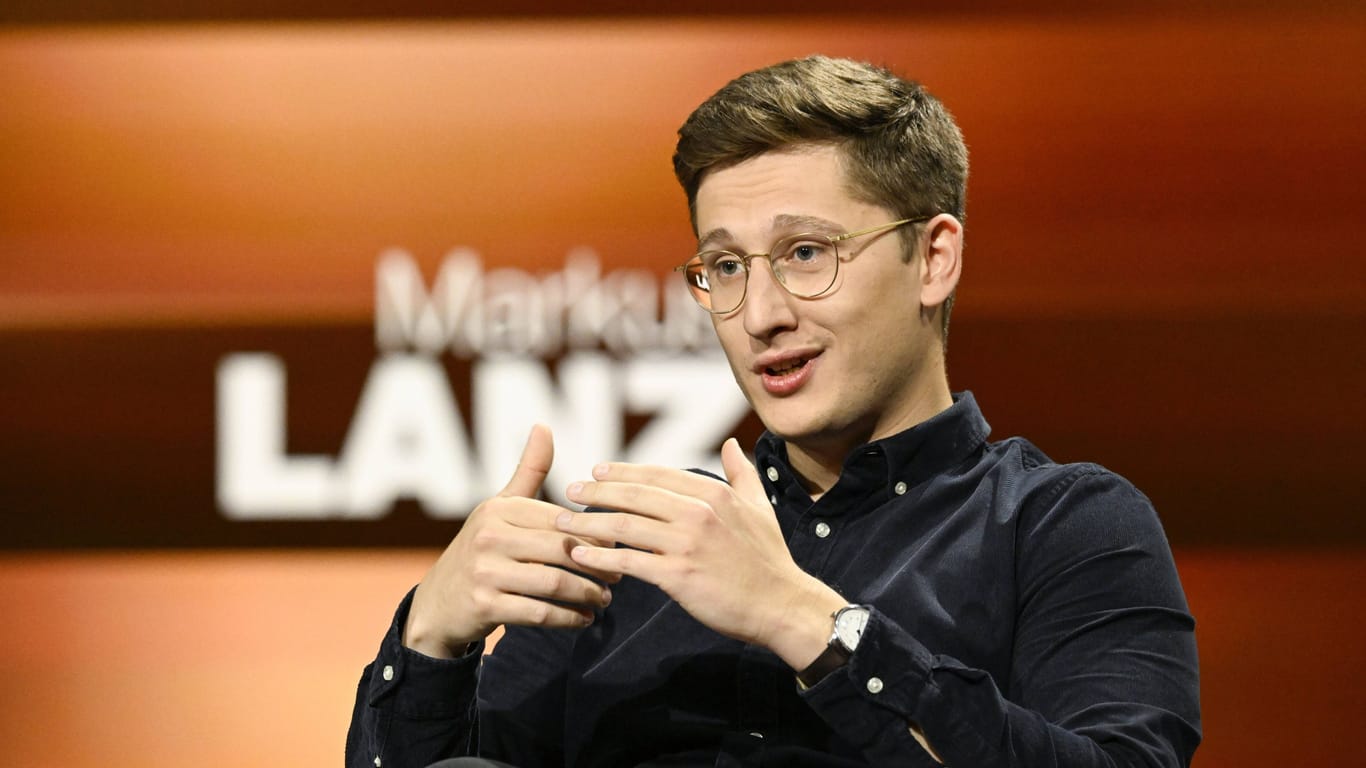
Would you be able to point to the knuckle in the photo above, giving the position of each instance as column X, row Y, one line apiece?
column 477, row 514
column 708, row 519
column 684, row 570
column 540, row 613
column 700, row 508
column 717, row 495
column 481, row 600
column 567, row 545
column 488, row 508
column 700, row 516
column 485, row 538
column 687, row 548
column 552, row 581
column 481, row 573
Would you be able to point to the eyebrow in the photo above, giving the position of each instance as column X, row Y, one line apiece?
column 791, row 224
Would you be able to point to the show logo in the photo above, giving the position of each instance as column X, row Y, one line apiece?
column 577, row 349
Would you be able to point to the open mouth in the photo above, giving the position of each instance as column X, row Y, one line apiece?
column 785, row 368
column 788, row 376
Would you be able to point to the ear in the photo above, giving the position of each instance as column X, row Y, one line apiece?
column 943, row 260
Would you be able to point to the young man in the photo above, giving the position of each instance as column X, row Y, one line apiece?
column 886, row 588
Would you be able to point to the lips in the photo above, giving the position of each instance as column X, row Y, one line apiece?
column 783, row 375
column 782, row 369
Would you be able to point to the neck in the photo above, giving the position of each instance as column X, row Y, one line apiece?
column 819, row 460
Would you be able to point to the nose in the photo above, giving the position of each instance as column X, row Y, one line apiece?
column 767, row 309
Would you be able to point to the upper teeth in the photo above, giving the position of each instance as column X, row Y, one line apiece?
column 785, row 367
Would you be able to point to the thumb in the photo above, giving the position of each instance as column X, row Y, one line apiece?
column 534, row 464
column 743, row 477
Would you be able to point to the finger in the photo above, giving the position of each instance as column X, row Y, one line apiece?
column 638, row 498
column 743, row 477
column 645, row 566
column 624, row 527
column 531, row 612
column 531, row 515
column 534, row 464
column 548, row 583
column 536, row 546
column 680, row 481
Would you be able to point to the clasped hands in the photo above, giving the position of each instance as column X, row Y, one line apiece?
column 716, row 549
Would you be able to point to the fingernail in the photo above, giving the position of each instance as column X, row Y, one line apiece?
column 564, row 519
column 600, row 471
column 606, row 596
column 575, row 491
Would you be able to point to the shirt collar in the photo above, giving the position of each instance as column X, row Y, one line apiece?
column 892, row 465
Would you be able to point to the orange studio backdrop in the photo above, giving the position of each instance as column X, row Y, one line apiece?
column 277, row 299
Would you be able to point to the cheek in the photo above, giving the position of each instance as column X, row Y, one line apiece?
column 876, row 327
column 893, row 300
column 734, row 341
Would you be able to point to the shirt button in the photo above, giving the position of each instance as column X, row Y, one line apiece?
column 875, row 685
column 388, row 672
column 377, row 761
column 772, row 474
column 756, row 734
column 773, row 499
column 822, row 529
column 900, row 488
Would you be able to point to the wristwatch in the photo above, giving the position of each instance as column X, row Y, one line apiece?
column 849, row 623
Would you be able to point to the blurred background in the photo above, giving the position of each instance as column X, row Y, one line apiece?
column 283, row 285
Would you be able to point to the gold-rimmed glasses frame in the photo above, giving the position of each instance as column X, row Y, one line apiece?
column 699, row 282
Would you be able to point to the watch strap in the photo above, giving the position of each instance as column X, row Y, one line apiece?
column 835, row 655
column 832, row 658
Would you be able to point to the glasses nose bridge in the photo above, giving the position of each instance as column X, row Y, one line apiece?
column 772, row 271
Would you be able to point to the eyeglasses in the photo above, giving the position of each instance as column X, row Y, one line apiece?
column 805, row 266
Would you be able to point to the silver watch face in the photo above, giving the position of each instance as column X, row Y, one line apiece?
column 849, row 624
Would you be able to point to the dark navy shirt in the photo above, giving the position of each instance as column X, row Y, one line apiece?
column 1025, row 613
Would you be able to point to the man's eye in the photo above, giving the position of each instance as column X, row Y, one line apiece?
column 726, row 266
column 808, row 254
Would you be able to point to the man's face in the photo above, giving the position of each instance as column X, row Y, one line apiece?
column 828, row 373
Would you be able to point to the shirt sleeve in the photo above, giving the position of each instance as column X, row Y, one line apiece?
column 1103, row 663
column 411, row 709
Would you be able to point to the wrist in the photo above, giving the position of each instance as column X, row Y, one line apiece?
column 416, row 638
column 428, row 638
column 849, row 623
column 803, row 630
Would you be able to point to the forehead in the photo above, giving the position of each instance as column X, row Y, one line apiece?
column 797, row 186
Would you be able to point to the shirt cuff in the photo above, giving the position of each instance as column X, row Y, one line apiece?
column 413, row 685
column 872, row 699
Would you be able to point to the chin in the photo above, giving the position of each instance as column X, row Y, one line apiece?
column 820, row 432
column 790, row 424
column 796, row 418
